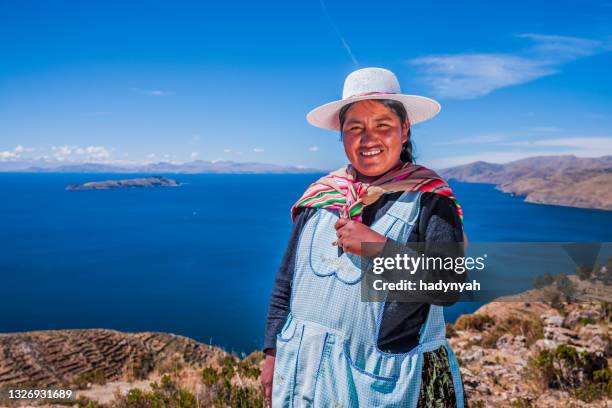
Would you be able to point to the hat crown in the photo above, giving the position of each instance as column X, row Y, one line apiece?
column 370, row 80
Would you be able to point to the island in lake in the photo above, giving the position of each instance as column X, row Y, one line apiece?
column 156, row 181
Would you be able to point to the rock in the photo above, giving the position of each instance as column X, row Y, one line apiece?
column 582, row 315
column 498, row 377
column 483, row 388
column 511, row 344
column 560, row 334
column 595, row 338
column 476, row 339
column 472, row 355
column 554, row 320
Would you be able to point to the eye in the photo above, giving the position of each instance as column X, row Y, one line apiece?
column 382, row 125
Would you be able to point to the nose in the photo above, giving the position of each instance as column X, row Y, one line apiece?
column 368, row 138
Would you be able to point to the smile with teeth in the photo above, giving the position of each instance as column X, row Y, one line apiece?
column 372, row 152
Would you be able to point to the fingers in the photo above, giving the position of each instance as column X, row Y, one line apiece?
column 340, row 223
column 267, row 378
column 267, row 388
column 268, row 395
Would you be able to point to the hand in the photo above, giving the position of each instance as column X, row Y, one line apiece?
column 267, row 374
column 352, row 233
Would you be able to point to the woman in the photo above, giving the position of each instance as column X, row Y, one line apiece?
column 324, row 346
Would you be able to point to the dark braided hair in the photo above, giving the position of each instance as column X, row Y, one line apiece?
column 406, row 155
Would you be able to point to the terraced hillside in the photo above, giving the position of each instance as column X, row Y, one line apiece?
column 53, row 358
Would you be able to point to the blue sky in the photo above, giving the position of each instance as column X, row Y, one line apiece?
column 132, row 82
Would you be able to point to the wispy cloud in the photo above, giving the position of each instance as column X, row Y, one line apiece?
column 152, row 92
column 73, row 153
column 227, row 150
column 508, row 151
column 313, row 149
column 258, row 150
column 488, row 156
column 477, row 139
column 16, row 153
column 544, row 129
column 194, row 155
column 8, row 155
column 472, row 75
column 557, row 49
column 596, row 146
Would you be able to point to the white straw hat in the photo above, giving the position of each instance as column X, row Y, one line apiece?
column 372, row 83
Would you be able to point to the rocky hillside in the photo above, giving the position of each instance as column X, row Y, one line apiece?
column 534, row 355
column 560, row 180
column 512, row 354
column 59, row 357
column 111, row 367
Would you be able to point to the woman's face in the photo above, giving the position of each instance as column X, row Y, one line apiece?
column 373, row 137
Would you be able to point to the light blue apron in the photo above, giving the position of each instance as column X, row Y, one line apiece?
column 327, row 354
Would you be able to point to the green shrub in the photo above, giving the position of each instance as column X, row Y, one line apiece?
column 227, row 394
column 584, row 272
column 585, row 375
column 450, row 331
column 565, row 286
column 606, row 308
column 249, row 366
column 531, row 329
column 210, row 376
column 220, row 390
column 83, row 402
column 166, row 394
column 227, row 367
column 606, row 272
column 521, row 403
column 95, row 376
column 477, row 322
column 142, row 367
column 248, row 369
column 544, row 280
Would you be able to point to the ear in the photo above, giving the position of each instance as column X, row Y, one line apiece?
column 405, row 128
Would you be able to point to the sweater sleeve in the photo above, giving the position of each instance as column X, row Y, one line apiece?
column 280, row 299
column 401, row 322
column 440, row 229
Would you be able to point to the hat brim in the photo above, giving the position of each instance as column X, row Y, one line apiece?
column 419, row 109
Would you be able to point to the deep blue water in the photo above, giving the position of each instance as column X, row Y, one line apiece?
column 198, row 260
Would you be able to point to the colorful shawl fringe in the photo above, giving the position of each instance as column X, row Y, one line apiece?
column 339, row 190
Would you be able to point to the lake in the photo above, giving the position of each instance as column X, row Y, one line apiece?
column 198, row 260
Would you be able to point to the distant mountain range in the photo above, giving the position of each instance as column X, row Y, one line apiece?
column 193, row 167
column 560, row 180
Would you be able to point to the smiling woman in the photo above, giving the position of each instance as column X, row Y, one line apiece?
column 388, row 119
column 324, row 345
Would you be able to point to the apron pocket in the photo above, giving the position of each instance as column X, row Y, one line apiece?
column 285, row 365
column 368, row 383
column 288, row 330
